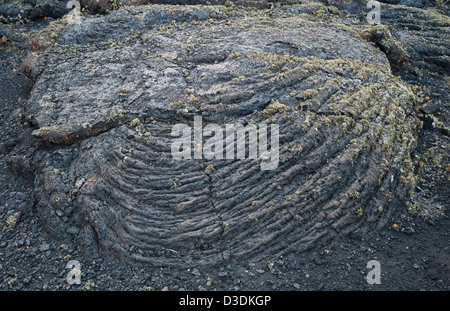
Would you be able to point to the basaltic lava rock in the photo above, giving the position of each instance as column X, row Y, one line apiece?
column 108, row 94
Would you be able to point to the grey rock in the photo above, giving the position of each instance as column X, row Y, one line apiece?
column 19, row 10
column 222, row 274
column 423, row 34
column 27, row 279
column 115, row 85
column 249, row 72
column 430, row 108
column 101, row 29
column 44, row 247
column 412, row 3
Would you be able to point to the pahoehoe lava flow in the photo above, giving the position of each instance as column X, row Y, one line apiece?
column 105, row 102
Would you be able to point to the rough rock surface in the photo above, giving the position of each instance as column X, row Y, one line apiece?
column 424, row 39
column 18, row 11
column 108, row 91
column 104, row 103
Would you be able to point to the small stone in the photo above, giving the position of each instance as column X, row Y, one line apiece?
column 27, row 280
column 195, row 272
column 44, row 247
column 297, row 286
column 72, row 230
column 222, row 274
column 428, row 122
column 165, row 289
column 260, row 271
column 429, row 108
column 226, row 255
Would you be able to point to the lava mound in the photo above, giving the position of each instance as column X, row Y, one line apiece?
column 108, row 95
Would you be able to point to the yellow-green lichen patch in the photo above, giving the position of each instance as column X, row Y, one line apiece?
column 11, row 222
column 275, row 107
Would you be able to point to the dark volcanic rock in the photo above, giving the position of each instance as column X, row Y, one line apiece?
column 105, row 104
column 421, row 34
column 20, row 10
